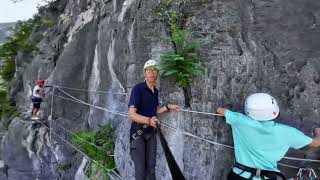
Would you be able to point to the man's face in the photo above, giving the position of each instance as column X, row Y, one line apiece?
column 151, row 74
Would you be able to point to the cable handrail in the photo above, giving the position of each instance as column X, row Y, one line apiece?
column 110, row 92
column 86, row 90
column 195, row 136
column 113, row 112
column 200, row 112
column 177, row 129
column 77, row 149
column 111, row 155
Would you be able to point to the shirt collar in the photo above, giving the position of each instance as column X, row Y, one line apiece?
column 146, row 86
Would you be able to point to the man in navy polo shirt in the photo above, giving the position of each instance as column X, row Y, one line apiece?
column 143, row 108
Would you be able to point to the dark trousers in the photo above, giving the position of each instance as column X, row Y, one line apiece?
column 143, row 153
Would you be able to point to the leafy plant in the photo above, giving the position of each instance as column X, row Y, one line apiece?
column 8, row 70
column 183, row 64
column 7, row 109
column 64, row 167
column 19, row 42
column 102, row 143
column 162, row 9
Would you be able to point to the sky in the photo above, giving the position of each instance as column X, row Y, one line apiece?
column 11, row 12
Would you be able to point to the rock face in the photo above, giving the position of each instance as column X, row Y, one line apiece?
column 250, row 46
column 25, row 146
column 5, row 31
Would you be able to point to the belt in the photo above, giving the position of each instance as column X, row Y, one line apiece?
column 272, row 175
column 139, row 132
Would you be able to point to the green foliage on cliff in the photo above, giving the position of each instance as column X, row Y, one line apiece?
column 101, row 148
column 7, row 109
column 18, row 42
column 184, row 63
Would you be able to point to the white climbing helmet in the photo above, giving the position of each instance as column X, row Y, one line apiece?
column 261, row 107
column 151, row 63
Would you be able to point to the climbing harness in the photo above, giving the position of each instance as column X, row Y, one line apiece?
column 139, row 132
column 263, row 174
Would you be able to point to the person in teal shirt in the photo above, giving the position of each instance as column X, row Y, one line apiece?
column 260, row 142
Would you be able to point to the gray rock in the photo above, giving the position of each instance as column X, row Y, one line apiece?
column 6, row 30
column 248, row 46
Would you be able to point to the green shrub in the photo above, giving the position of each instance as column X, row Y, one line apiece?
column 8, row 70
column 7, row 109
column 64, row 167
column 183, row 64
column 19, row 42
column 102, row 143
column 3, row 95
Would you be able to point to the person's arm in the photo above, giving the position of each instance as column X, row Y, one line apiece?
column 168, row 107
column 316, row 140
column 315, row 143
column 46, row 89
column 134, row 116
column 221, row 111
column 233, row 118
column 42, row 91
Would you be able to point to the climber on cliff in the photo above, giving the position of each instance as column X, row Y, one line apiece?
column 36, row 98
column 260, row 142
column 143, row 109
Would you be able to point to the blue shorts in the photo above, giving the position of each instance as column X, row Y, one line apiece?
column 36, row 102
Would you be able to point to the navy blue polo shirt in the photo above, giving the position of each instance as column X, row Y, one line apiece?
column 145, row 101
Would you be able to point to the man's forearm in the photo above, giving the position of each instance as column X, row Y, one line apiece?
column 138, row 118
column 162, row 109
